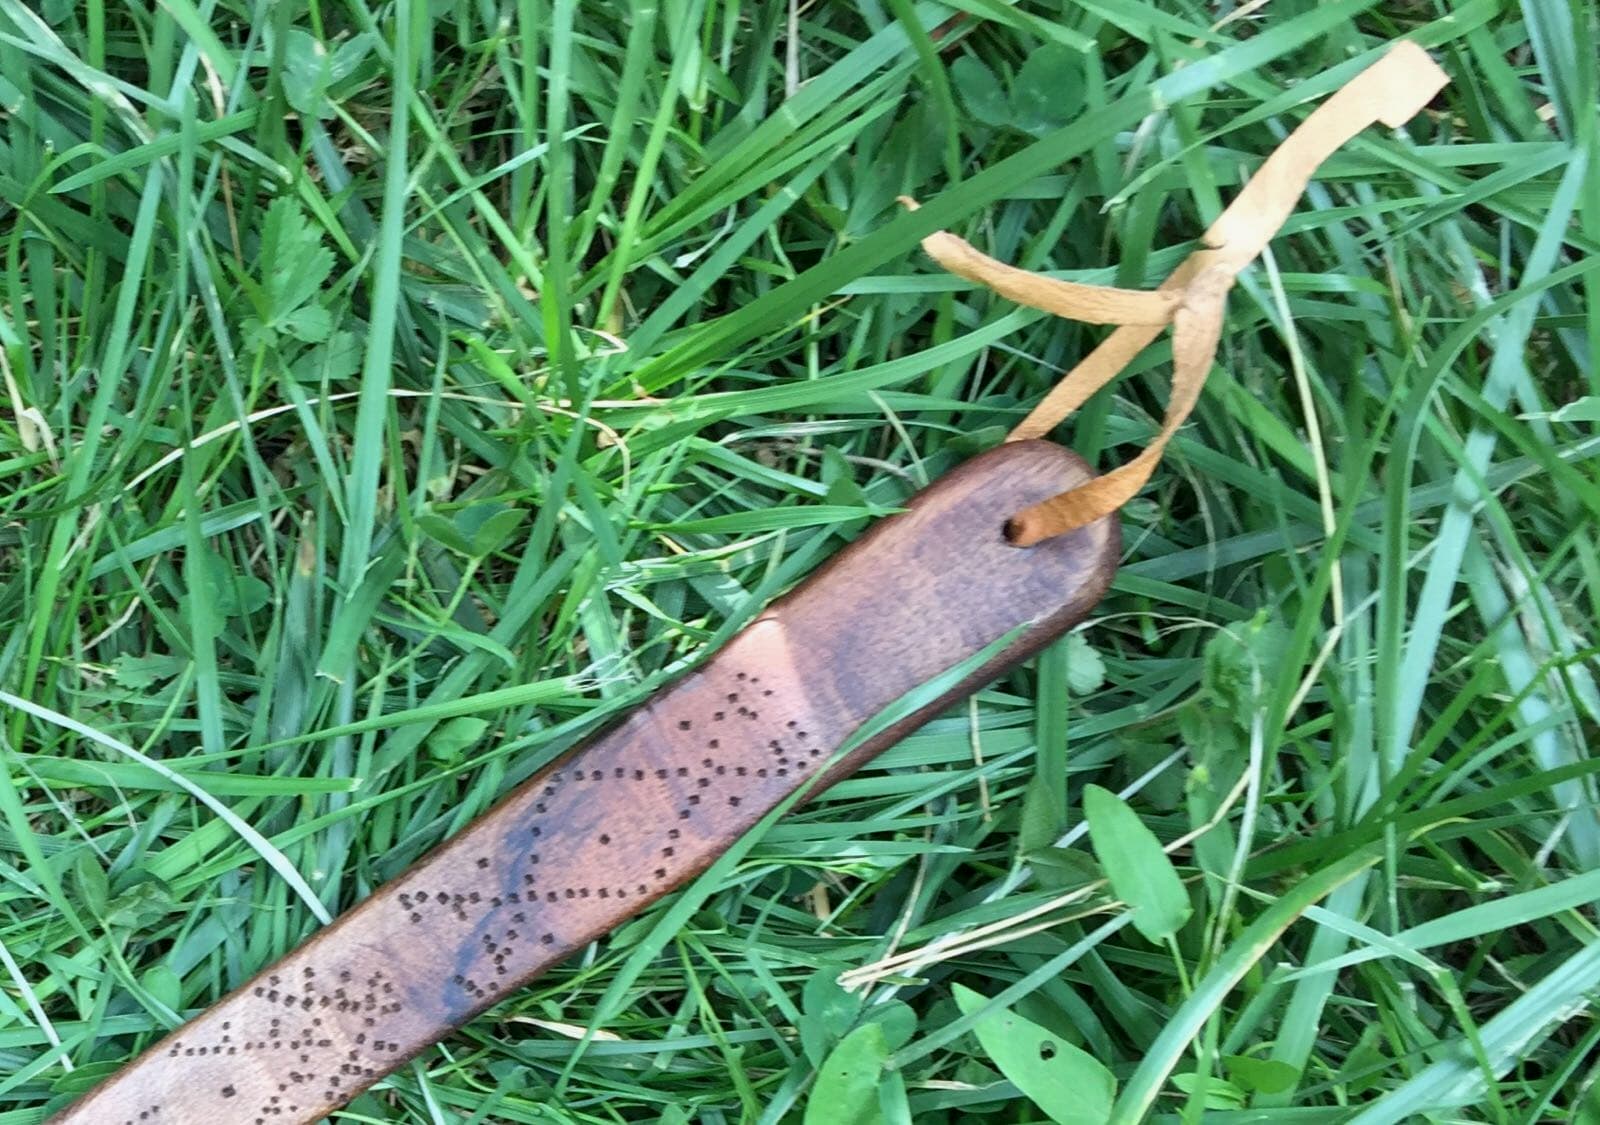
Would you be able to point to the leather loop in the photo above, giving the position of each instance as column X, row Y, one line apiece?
column 1194, row 298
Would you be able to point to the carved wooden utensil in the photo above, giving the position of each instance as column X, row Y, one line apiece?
column 641, row 809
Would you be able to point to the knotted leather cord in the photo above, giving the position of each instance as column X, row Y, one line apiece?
column 1194, row 298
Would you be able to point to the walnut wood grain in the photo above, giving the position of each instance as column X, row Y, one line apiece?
column 638, row 810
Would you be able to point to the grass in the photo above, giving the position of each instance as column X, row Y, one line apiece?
column 393, row 394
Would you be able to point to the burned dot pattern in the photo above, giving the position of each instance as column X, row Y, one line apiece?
column 311, row 1019
column 506, row 938
column 468, row 926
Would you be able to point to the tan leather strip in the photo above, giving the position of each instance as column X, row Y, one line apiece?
column 1391, row 91
column 1195, row 332
column 1094, row 304
column 641, row 809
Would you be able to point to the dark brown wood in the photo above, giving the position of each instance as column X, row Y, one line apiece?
column 640, row 809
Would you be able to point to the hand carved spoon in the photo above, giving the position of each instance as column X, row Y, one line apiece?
column 641, row 809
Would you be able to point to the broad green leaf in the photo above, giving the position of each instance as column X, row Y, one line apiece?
column 141, row 905
column 141, row 672
column 92, row 883
column 444, row 532
column 1086, row 671
column 334, row 362
column 828, row 1011
column 980, row 91
column 1048, row 90
column 476, row 530
column 1219, row 1092
column 83, row 1077
column 835, row 217
column 447, row 742
column 1269, row 1076
column 1043, row 817
column 1219, row 752
column 1241, row 663
column 1063, row 869
column 846, row 1089
column 1141, row 874
column 228, row 592
column 163, row 985
column 843, row 491
column 311, row 324
column 893, row 1106
column 351, row 54
column 1366, row 1062
column 491, row 532
column 898, row 1020
column 307, row 71
column 1066, row 1082
column 293, row 263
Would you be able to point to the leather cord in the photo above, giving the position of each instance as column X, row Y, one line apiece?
column 1193, row 300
